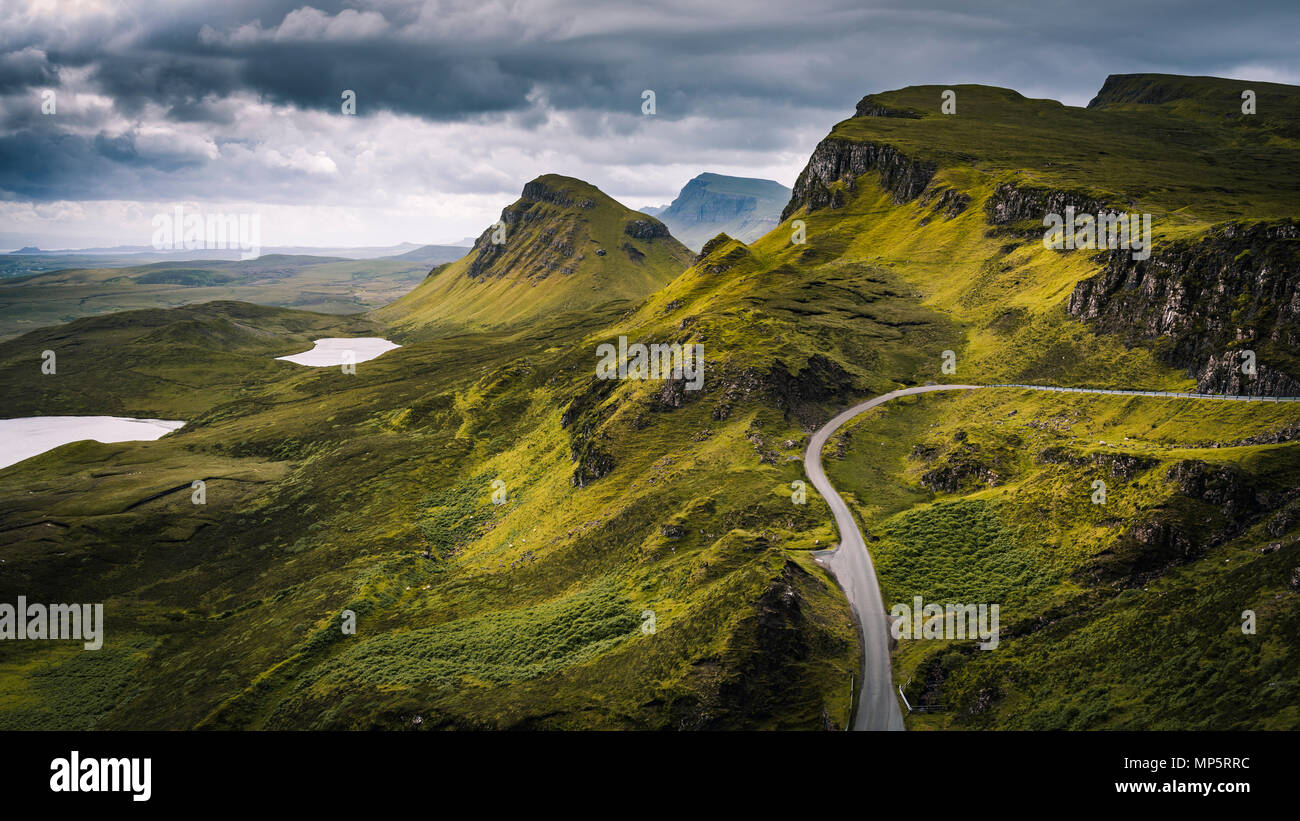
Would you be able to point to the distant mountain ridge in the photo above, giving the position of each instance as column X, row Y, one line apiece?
column 138, row 253
column 437, row 254
column 745, row 208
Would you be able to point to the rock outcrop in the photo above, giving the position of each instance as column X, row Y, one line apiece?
column 645, row 229
column 842, row 161
column 1011, row 203
column 1214, row 504
column 1205, row 301
column 539, row 191
column 868, row 107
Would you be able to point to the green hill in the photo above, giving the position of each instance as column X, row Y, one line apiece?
column 566, row 246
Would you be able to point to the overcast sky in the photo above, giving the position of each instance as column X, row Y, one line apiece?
column 235, row 106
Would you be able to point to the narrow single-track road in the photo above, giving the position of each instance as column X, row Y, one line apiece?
column 850, row 562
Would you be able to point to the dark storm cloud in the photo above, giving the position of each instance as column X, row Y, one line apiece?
column 52, row 166
column 700, row 58
column 756, row 77
column 24, row 69
column 177, row 83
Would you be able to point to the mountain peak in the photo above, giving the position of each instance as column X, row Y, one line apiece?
column 745, row 207
column 566, row 192
column 563, row 245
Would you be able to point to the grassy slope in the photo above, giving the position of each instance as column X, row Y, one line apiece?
column 1114, row 652
column 157, row 363
column 337, row 286
column 549, row 264
column 322, row 488
column 327, row 486
column 1188, row 162
column 1090, row 650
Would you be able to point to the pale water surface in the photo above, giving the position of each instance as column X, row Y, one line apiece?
column 331, row 351
column 29, row 436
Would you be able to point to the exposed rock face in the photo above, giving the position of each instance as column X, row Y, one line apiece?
column 775, row 641
column 1118, row 465
column 821, row 380
column 868, row 107
column 713, row 245
column 1235, row 288
column 960, row 472
column 843, row 161
column 947, row 201
column 592, row 463
column 1216, row 503
column 645, row 229
column 716, row 263
column 485, row 253
column 550, row 255
column 1011, row 203
column 1290, row 433
column 541, row 192
column 744, row 207
column 1222, row 373
column 1124, row 465
column 1284, row 520
column 582, row 419
column 1228, row 489
column 674, row 394
column 1149, row 89
column 964, row 467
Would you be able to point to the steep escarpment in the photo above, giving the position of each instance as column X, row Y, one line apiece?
column 1204, row 302
column 1090, row 520
column 1011, row 203
column 835, row 165
column 1198, row 95
column 869, row 107
column 710, row 204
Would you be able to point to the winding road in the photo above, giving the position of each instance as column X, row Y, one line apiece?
column 850, row 562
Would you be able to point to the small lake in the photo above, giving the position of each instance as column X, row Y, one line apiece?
column 333, row 351
column 30, row 436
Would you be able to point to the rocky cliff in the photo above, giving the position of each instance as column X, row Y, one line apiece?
column 843, row 161
column 1012, row 203
column 744, row 207
column 1203, row 302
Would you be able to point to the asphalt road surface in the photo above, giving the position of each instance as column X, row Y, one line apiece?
column 877, row 707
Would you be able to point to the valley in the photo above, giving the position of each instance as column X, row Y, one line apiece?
column 329, row 285
column 499, row 518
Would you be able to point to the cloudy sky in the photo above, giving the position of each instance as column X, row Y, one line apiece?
column 235, row 106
